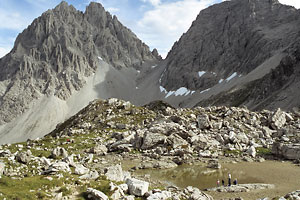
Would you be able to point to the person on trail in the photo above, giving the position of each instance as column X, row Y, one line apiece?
column 229, row 179
column 223, row 182
column 235, row 182
column 218, row 183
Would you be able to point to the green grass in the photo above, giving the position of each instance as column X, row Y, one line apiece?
column 234, row 152
column 27, row 188
column 99, row 184
column 65, row 190
column 263, row 151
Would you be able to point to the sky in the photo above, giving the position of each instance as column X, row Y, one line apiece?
column 158, row 23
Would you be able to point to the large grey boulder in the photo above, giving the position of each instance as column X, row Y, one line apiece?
column 99, row 149
column 96, row 194
column 137, row 187
column 252, row 151
column 114, row 173
column 57, row 167
column 288, row 151
column 153, row 139
column 278, row 119
column 195, row 194
column 80, row 169
column 24, row 157
column 203, row 121
column 163, row 195
column 91, row 175
column 59, row 152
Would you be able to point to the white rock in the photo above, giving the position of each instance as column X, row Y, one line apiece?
column 45, row 161
column 114, row 173
column 92, row 175
column 58, row 166
column 252, row 151
column 137, row 187
column 95, row 194
column 59, row 151
column 80, row 169
column 160, row 195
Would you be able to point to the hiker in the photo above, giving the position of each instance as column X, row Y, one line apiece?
column 229, row 179
column 235, row 182
column 218, row 183
column 223, row 182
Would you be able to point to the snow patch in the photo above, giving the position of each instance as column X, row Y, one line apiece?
column 162, row 89
column 100, row 58
column 204, row 90
column 169, row 94
column 221, row 80
column 231, row 76
column 152, row 67
column 201, row 73
column 183, row 91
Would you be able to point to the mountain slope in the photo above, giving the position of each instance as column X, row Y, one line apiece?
column 59, row 54
column 231, row 44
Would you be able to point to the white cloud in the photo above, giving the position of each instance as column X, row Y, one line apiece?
column 166, row 22
column 113, row 10
column 153, row 2
column 295, row 3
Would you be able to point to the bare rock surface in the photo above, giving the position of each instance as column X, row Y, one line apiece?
column 242, row 188
column 137, row 187
column 96, row 194
column 57, row 56
column 238, row 52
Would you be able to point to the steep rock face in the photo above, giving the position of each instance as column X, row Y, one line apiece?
column 56, row 53
column 230, row 38
column 277, row 89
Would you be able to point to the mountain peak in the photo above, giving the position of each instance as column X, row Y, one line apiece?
column 59, row 50
column 63, row 6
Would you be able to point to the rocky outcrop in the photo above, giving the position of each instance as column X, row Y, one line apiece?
column 287, row 151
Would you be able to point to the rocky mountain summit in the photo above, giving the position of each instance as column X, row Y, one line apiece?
column 59, row 49
column 239, row 52
column 94, row 154
column 57, row 56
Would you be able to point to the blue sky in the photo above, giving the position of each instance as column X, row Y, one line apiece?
column 159, row 23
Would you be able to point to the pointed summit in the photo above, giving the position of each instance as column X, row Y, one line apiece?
column 55, row 56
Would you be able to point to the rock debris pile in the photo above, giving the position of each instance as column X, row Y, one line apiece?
column 82, row 156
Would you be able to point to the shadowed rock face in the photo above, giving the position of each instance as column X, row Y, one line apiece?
column 233, row 36
column 58, row 50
